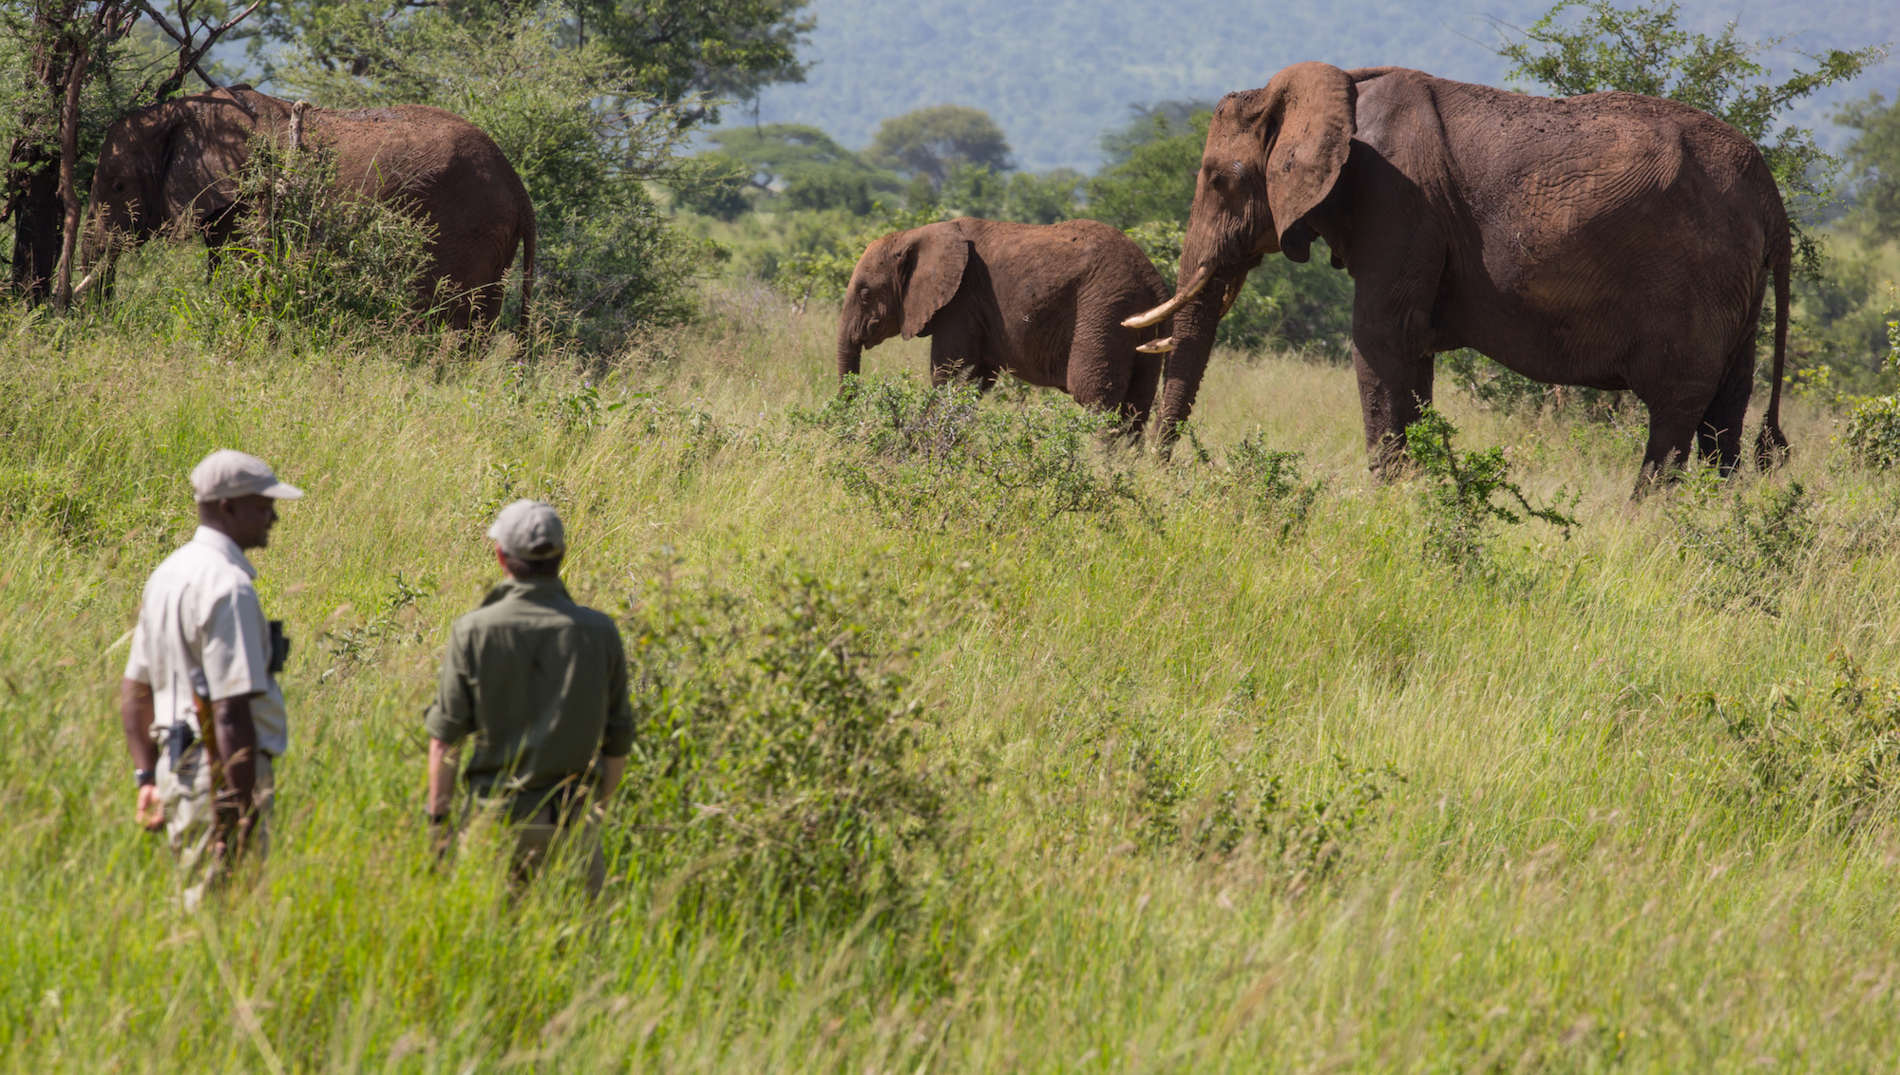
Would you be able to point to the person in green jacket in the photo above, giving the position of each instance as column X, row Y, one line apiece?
column 540, row 683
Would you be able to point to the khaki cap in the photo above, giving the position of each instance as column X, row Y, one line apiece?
column 226, row 475
column 529, row 530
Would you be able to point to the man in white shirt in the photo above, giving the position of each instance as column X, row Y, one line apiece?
column 202, row 711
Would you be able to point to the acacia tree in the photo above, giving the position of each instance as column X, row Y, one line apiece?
column 930, row 143
column 691, row 56
column 1584, row 46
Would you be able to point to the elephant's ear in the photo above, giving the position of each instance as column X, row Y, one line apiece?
column 204, row 150
column 934, row 265
column 1308, row 127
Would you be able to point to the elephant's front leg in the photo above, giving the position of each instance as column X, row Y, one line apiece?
column 957, row 353
column 1394, row 389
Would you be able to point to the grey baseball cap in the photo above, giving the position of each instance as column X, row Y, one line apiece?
column 529, row 530
column 226, row 475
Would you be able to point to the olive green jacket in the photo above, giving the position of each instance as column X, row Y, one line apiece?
column 541, row 684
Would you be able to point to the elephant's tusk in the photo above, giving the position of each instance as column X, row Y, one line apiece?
column 85, row 282
column 1166, row 309
column 1157, row 347
column 1227, row 300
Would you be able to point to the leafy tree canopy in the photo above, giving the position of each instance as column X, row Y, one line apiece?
column 691, row 55
column 1154, row 180
column 930, row 142
column 1583, row 46
column 1874, row 161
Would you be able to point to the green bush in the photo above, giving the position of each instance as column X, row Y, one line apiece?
column 1873, row 427
column 309, row 263
column 1808, row 749
column 1462, row 495
column 934, row 457
column 776, row 751
column 1752, row 546
column 1269, row 485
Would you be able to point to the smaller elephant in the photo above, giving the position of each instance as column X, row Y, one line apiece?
column 178, row 163
column 1043, row 302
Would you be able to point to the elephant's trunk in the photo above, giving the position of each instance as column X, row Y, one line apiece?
column 1193, row 338
column 850, row 351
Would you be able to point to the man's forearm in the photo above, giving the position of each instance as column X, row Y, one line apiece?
column 135, row 716
column 442, row 759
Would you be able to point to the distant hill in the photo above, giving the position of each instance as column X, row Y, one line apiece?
column 1057, row 74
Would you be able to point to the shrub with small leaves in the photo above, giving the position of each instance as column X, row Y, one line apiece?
column 1830, row 749
column 935, row 456
column 1753, row 546
column 1271, row 485
column 1463, row 494
column 313, row 259
column 1873, row 427
column 775, row 750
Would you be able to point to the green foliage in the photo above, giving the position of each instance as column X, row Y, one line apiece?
column 1583, row 46
column 712, row 184
column 1873, row 162
column 979, row 191
column 827, row 248
column 1270, row 485
column 775, row 754
column 1872, row 437
column 1752, row 547
column 935, row 458
column 929, row 143
column 309, row 264
column 1828, row 752
column 1152, row 179
column 1842, row 317
column 1462, row 497
column 808, row 168
column 608, row 265
column 686, row 55
column 1253, row 816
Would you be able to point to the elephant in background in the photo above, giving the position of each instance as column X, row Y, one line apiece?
column 1608, row 240
column 177, row 164
column 1043, row 302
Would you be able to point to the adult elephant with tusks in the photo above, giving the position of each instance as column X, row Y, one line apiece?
column 178, row 164
column 1609, row 240
column 1042, row 302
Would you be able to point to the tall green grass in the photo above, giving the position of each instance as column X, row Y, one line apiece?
column 1215, row 792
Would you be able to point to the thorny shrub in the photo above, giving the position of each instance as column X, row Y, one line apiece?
column 311, row 259
column 1251, row 815
column 1831, row 749
column 776, row 751
column 1271, row 485
column 935, row 457
column 1752, row 546
column 1463, row 492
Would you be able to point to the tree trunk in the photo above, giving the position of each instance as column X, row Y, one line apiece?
column 81, row 57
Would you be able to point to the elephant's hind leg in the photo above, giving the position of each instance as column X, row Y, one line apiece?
column 1719, row 435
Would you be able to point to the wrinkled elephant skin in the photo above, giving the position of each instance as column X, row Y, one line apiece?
column 1609, row 240
column 1043, row 303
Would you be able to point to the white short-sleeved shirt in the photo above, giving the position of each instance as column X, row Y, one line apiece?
column 201, row 631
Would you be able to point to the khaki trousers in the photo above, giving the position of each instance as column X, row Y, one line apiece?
column 191, row 821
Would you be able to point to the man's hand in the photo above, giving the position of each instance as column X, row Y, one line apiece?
column 151, row 809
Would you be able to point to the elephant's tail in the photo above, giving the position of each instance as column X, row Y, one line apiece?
column 1771, row 446
column 527, row 257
